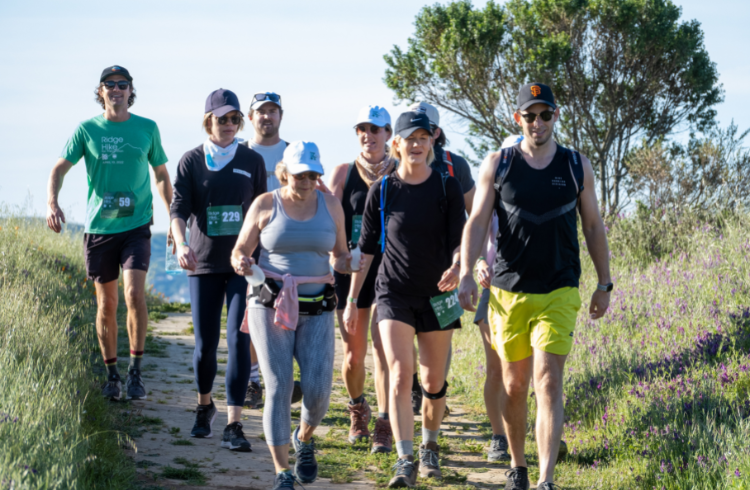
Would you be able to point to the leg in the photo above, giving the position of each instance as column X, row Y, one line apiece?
column 548, row 384
column 433, row 359
column 380, row 364
column 516, row 377
column 207, row 298
column 238, row 362
column 355, row 350
column 398, row 344
column 494, row 391
column 135, row 299
column 106, row 318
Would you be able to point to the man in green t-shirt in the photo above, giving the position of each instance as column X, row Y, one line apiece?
column 118, row 148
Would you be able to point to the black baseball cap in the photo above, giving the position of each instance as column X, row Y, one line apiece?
column 535, row 93
column 115, row 70
column 221, row 102
column 408, row 122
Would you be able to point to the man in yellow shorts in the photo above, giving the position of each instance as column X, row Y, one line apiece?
column 535, row 187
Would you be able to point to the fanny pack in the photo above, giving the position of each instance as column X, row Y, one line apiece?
column 308, row 305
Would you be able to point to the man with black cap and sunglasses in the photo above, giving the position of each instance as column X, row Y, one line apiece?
column 535, row 187
column 118, row 148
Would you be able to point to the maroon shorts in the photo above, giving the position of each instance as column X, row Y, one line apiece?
column 105, row 254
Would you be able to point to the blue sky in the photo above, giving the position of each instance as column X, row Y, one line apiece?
column 324, row 58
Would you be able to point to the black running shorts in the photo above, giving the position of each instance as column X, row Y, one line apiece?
column 415, row 311
column 105, row 254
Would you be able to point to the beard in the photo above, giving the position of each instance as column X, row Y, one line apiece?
column 538, row 143
column 268, row 130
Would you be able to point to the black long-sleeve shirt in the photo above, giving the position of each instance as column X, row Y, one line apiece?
column 424, row 226
column 196, row 188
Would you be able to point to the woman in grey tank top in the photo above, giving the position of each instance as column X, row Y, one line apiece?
column 297, row 227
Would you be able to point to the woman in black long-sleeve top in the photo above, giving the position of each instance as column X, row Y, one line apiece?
column 215, row 185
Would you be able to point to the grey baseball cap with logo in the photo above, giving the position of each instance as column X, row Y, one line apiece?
column 430, row 110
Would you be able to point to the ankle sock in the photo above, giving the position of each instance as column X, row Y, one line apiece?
column 405, row 448
column 383, row 415
column 136, row 356
column 255, row 373
column 429, row 435
column 355, row 401
column 111, row 365
column 415, row 383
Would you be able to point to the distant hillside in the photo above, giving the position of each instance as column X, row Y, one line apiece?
column 174, row 287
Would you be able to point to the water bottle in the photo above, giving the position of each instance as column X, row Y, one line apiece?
column 356, row 257
column 258, row 276
column 171, row 264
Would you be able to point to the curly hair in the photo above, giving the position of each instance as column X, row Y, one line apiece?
column 100, row 99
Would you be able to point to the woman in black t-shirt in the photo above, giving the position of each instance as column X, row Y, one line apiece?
column 419, row 232
column 215, row 185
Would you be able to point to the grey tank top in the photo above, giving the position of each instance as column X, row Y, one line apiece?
column 299, row 248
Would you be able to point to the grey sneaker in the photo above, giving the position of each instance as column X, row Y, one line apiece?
column 548, row 486
column 234, row 438
column 498, row 449
column 112, row 389
column 406, row 473
column 204, row 419
column 134, row 385
column 305, row 466
column 518, row 478
column 429, row 460
column 254, row 395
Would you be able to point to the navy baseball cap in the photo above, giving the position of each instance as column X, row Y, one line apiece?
column 221, row 102
column 535, row 93
column 115, row 70
column 408, row 122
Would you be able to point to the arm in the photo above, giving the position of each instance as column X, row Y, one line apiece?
column 257, row 218
column 469, row 199
column 341, row 256
column 596, row 239
column 55, row 215
column 163, row 185
column 475, row 230
column 185, row 256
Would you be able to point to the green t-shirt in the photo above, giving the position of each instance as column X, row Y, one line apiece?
column 117, row 156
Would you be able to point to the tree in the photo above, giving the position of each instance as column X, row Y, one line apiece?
column 625, row 72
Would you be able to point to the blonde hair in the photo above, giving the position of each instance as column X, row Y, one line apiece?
column 394, row 153
column 207, row 122
column 281, row 173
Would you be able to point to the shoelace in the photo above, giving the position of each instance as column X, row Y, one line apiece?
column 428, row 458
column 516, row 476
column 290, row 478
column 135, row 377
column 498, row 445
column 403, row 467
column 202, row 415
column 306, row 452
column 235, row 428
column 358, row 416
column 382, row 433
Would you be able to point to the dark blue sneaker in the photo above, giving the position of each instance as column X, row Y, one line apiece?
column 204, row 419
column 134, row 386
column 285, row 479
column 234, row 438
column 305, row 467
column 112, row 389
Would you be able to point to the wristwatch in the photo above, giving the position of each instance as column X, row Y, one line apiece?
column 605, row 287
column 458, row 263
column 183, row 244
column 351, row 300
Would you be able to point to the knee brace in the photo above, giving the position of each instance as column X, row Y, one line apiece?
column 436, row 396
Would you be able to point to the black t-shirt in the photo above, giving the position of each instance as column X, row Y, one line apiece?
column 196, row 188
column 420, row 235
column 461, row 169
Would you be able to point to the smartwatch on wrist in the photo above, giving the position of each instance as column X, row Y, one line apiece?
column 605, row 287
column 351, row 300
column 183, row 244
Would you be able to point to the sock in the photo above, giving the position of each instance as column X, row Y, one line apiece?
column 255, row 373
column 111, row 365
column 355, row 401
column 405, row 448
column 415, row 383
column 136, row 356
column 383, row 415
column 285, row 470
column 429, row 435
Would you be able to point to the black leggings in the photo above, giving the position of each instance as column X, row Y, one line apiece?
column 207, row 293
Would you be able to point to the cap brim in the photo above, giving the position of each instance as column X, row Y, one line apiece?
column 536, row 101
column 259, row 103
column 224, row 110
column 366, row 121
column 405, row 133
column 299, row 168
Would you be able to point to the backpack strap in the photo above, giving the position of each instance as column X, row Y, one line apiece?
column 506, row 158
column 576, row 169
column 383, row 195
column 449, row 162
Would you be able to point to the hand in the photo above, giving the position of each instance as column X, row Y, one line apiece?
column 320, row 185
column 343, row 264
column 242, row 265
column 350, row 317
column 55, row 217
column 483, row 274
column 599, row 304
column 186, row 258
column 468, row 294
column 449, row 281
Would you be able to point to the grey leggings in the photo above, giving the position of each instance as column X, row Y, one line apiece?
column 313, row 345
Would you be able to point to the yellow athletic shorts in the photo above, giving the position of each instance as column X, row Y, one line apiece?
column 520, row 321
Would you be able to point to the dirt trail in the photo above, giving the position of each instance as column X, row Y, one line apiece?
column 171, row 403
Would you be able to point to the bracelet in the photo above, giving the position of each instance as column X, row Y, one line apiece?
column 351, row 300
column 183, row 244
column 481, row 258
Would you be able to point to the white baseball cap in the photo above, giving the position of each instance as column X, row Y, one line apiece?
column 263, row 98
column 512, row 141
column 302, row 156
column 375, row 115
column 432, row 113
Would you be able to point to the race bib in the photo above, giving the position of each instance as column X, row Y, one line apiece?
column 224, row 220
column 356, row 228
column 447, row 308
column 117, row 205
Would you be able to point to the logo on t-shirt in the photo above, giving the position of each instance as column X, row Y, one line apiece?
column 558, row 181
column 240, row 171
column 113, row 149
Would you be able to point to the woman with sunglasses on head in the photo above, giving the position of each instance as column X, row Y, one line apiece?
column 415, row 217
column 290, row 314
column 215, row 185
column 350, row 183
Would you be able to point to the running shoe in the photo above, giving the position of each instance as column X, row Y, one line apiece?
column 134, row 385
column 429, row 460
column 518, row 478
column 382, row 441
column 297, row 392
column 498, row 449
column 305, row 466
column 548, row 486
column 285, row 479
column 234, row 439
column 112, row 389
column 204, row 419
column 360, row 415
column 406, row 473
column 254, row 395
column 416, row 400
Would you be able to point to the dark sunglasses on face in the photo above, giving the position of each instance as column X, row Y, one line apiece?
column 270, row 97
column 224, row 119
column 530, row 117
column 373, row 129
column 121, row 84
column 307, row 175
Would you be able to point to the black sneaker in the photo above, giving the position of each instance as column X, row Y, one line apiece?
column 416, row 400
column 204, row 419
column 297, row 392
column 134, row 385
column 254, row 395
column 498, row 449
column 112, row 389
column 305, row 466
column 518, row 478
column 548, row 486
column 285, row 479
column 234, row 438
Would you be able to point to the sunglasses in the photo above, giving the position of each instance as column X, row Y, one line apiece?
column 373, row 129
column 307, row 175
column 530, row 117
column 269, row 97
column 224, row 119
column 121, row 84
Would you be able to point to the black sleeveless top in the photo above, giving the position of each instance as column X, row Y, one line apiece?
column 537, row 241
column 353, row 201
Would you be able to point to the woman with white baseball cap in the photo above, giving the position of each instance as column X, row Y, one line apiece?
column 290, row 315
column 350, row 183
column 415, row 217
